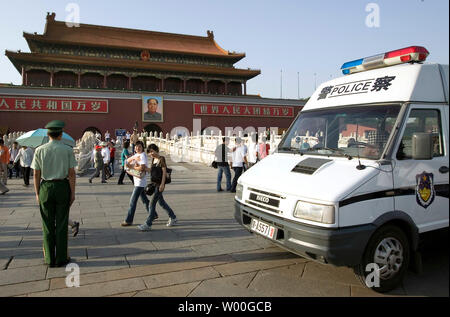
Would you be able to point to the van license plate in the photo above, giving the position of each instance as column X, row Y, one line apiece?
column 262, row 228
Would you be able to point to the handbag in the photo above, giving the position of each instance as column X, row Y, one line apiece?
column 214, row 164
column 150, row 189
column 156, row 174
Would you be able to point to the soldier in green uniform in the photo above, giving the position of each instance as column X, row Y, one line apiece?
column 54, row 184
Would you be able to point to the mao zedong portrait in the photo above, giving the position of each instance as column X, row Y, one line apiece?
column 150, row 110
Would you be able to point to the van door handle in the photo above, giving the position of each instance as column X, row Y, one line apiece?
column 443, row 169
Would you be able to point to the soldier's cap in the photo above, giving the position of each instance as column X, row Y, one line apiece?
column 55, row 125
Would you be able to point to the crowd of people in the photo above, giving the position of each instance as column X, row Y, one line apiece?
column 14, row 162
column 240, row 158
column 53, row 165
column 147, row 170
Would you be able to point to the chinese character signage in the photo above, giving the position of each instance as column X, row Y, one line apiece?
column 46, row 104
column 357, row 87
column 243, row 110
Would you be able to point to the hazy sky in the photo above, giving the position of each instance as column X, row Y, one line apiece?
column 306, row 37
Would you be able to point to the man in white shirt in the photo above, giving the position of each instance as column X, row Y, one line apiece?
column 25, row 156
column 106, row 159
column 107, row 136
column 252, row 151
column 13, row 152
column 239, row 159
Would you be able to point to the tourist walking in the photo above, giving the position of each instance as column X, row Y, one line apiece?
column 25, row 156
column 107, row 136
column 13, row 167
column 133, row 139
column 3, row 188
column 4, row 160
column 123, row 158
column 239, row 159
column 137, row 162
column 98, row 164
column 112, row 156
column 106, row 157
column 222, row 153
column 158, row 166
column 252, row 155
column 54, row 182
column 264, row 148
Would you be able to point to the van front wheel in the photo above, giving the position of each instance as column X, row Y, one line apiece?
column 385, row 261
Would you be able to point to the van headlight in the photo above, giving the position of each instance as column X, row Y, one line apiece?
column 314, row 212
column 239, row 191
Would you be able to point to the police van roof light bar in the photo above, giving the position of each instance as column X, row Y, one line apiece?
column 404, row 55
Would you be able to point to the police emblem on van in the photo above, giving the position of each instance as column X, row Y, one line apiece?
column 425, row 192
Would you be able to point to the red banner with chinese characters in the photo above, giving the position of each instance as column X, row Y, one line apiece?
column 243, row 110
column 46, row 104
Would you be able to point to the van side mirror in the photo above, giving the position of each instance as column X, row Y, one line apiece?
column 422, row 146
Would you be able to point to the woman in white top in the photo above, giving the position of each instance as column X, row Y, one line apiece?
column 26, row 157
column 252, row 152
column 139, row 163
column 158, row 162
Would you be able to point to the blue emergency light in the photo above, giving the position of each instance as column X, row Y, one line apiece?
column 404, row 55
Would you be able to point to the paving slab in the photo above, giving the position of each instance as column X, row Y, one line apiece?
column 24, row 288
column 142, row 271
column 258, row 264
column 120, row 249
column 4, row 261
column 186, row 276
column 317, row 271
column 233, row 286
column 162, row 256
column 91, row 265
column 96, row 290
column 180, row 290
column 21, row 275
column 276, row 283
column 225, row 248
column 37, row 258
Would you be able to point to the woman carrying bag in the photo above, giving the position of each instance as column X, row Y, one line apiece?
column 158, row 168
column 137, row 164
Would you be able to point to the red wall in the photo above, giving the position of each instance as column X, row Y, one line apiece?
column 123, row 113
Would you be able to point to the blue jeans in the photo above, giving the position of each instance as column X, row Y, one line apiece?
column 137, row 192
column 158, row 197
column 112, row 165
column 226, row 170
column 237, row 173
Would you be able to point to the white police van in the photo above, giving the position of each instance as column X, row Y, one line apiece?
column 362, row 171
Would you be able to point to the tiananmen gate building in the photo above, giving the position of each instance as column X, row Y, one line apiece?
column 104, row 78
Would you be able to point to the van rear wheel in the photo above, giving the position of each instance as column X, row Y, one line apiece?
column 385, row 261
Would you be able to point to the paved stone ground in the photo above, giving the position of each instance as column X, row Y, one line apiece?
column 206, row 254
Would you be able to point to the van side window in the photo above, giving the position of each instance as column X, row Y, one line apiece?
column 421, row 120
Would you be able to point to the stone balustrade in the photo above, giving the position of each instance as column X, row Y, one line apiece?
column 10, row 138
column 199, row 148
column 194, row 149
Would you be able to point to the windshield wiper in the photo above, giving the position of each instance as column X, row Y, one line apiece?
column 292, row 149
column 340, row 151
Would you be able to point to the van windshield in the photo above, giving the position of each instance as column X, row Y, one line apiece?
column 350, row 131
